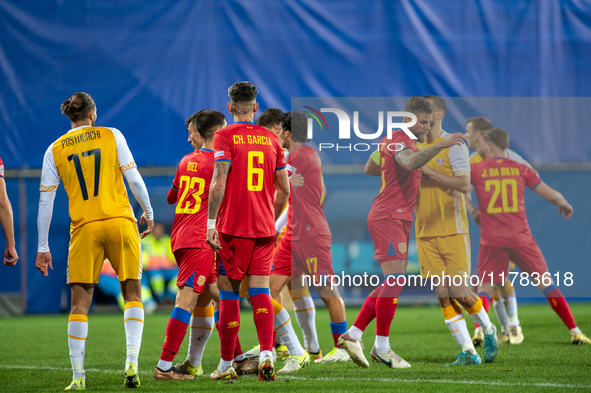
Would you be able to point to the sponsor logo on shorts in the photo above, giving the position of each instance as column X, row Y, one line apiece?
column 262, row 310
column 441, row 161
column 402, row 247
column 201, row 280
column 218, row 154
column 233, row 324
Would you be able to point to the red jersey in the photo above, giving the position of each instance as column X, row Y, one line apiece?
column 400, row 187
column 255, row 155
column 499, row 184
column 307, row 217
column 192, row 181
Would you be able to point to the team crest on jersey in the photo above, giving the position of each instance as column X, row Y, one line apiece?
column 201, row 280
column 441, row 161
column 402, row 247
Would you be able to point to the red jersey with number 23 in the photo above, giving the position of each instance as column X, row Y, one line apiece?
column 254, row 154
column 399, row 190
column 499, row 184
column 192, row 180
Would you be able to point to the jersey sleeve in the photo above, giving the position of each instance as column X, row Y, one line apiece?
column 124, row 155
column 459, row 160
column 532, row 180
column 50, row 177
column 517, row 158
column 399, row 143
column 221, row 146
column 472, row 170
column 280, row 164
column 1, row 168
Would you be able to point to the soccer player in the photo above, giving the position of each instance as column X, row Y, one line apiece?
column 389, row 222
column 499, row 183
column 248, row 163
column 190, row 190
column 503, row 296
column 305, row 248
column 90, row 162
column 6, row 219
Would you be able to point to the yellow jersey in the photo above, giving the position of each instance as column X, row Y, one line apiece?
column 89, row 161
column 440, row 211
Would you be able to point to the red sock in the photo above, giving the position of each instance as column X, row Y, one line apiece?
column 237, row 348
column 368, row 310
column 274, row 335
column 263, row 316
column 387, row 303
column 559, row 304
column 229, row 323
column 175, row 333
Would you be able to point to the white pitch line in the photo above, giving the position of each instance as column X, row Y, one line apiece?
column 301, row 378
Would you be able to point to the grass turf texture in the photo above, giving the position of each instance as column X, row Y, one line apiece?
column 34, row 356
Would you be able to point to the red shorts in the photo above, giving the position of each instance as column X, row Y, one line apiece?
column 196, row 267
column 527, row 257
column 243, row 256
column 308, row 256
column 390, row 239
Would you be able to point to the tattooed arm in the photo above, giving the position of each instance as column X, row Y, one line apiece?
column 411, row 161
column 216, row 195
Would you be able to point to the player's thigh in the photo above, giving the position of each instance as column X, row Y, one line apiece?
column 86, row 253
column 282, row 261
column 431, row 262
column 195, row 266
column 456, row 251
column 529, row 258
column 262, row 257
column 492, row 263
column 123, row 248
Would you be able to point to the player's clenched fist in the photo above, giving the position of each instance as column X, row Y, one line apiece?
column 456, row 138
column 43, row 261
column 296, row 180
column 213, row 239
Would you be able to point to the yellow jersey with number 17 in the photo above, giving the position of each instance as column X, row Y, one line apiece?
column 440, row 210
column 90, row 161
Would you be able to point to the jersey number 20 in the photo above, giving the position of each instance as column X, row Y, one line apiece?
column 502, row 187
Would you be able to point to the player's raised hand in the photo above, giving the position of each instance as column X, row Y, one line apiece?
column 10, row 256
column 42, row 262
column 144, row 220
column 457, row 138
column 566, row 210
column 296, row 180
column 213, row 239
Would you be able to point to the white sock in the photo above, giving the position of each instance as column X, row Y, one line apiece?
column 240, row 358
column 285, row 331
column 575, row 330
column 459, row 331
column 77, row 334
column 502, row 316
column 382, row 344
column 355, row 333
column 511, row 307
column 481, row 318
column 305, row 313
column 200, row 329
column 224, row 365
column 133, row 320
column 264, row 355
column 164, row 365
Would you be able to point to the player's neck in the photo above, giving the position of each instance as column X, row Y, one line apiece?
column 434, row 133
column 245, row 118
column 81, row 123
column 294, row 146
column 496, row 152
column 208, row 145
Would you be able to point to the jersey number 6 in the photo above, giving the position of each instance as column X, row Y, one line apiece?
column 255, row 171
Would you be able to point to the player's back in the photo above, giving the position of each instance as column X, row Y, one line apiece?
column 399, row 189
column 192, row 180
column 307, row 217
column 500, row 184
column 255, row 154
column 475, row 158
column 88, row 164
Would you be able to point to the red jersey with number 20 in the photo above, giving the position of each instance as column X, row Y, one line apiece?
column 192, row 180
column 254, row 154
column 499, row 184
column 399, row 190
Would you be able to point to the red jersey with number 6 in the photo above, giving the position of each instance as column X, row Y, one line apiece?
column 192, row 180
column 499, row 184
column 254, row 154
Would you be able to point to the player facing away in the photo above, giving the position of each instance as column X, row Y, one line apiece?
column 499, row 183
column 305, row 247
column 443, row 243
column 503, row 296
column 197, row 274
column 389, row 223
column 249, row 169
column 90, row 162
column 6, row 219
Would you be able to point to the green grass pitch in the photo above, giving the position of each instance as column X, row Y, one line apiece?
column 34, row 356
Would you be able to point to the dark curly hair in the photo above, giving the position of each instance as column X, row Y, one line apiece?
column 77, row 106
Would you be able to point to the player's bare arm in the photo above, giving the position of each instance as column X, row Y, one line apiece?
column 372, row 166
column 473, row 210
column 296, row 180
column 555, row 198
column 216, row 195
column 6, row 219
column 411, row 161
column 282, row 194
column 459, row 183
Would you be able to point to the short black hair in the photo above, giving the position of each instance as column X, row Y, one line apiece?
column 206, row 121
column 242, row 96
column 498, row 137
column 416, row 105
column 480, row 123
column 438, row 103
column 297, row 124
column 270, row 117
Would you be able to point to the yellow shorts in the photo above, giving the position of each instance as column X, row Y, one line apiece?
column 447, row 254
column 117, row 239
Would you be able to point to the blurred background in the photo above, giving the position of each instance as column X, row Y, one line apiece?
column 149, row 65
